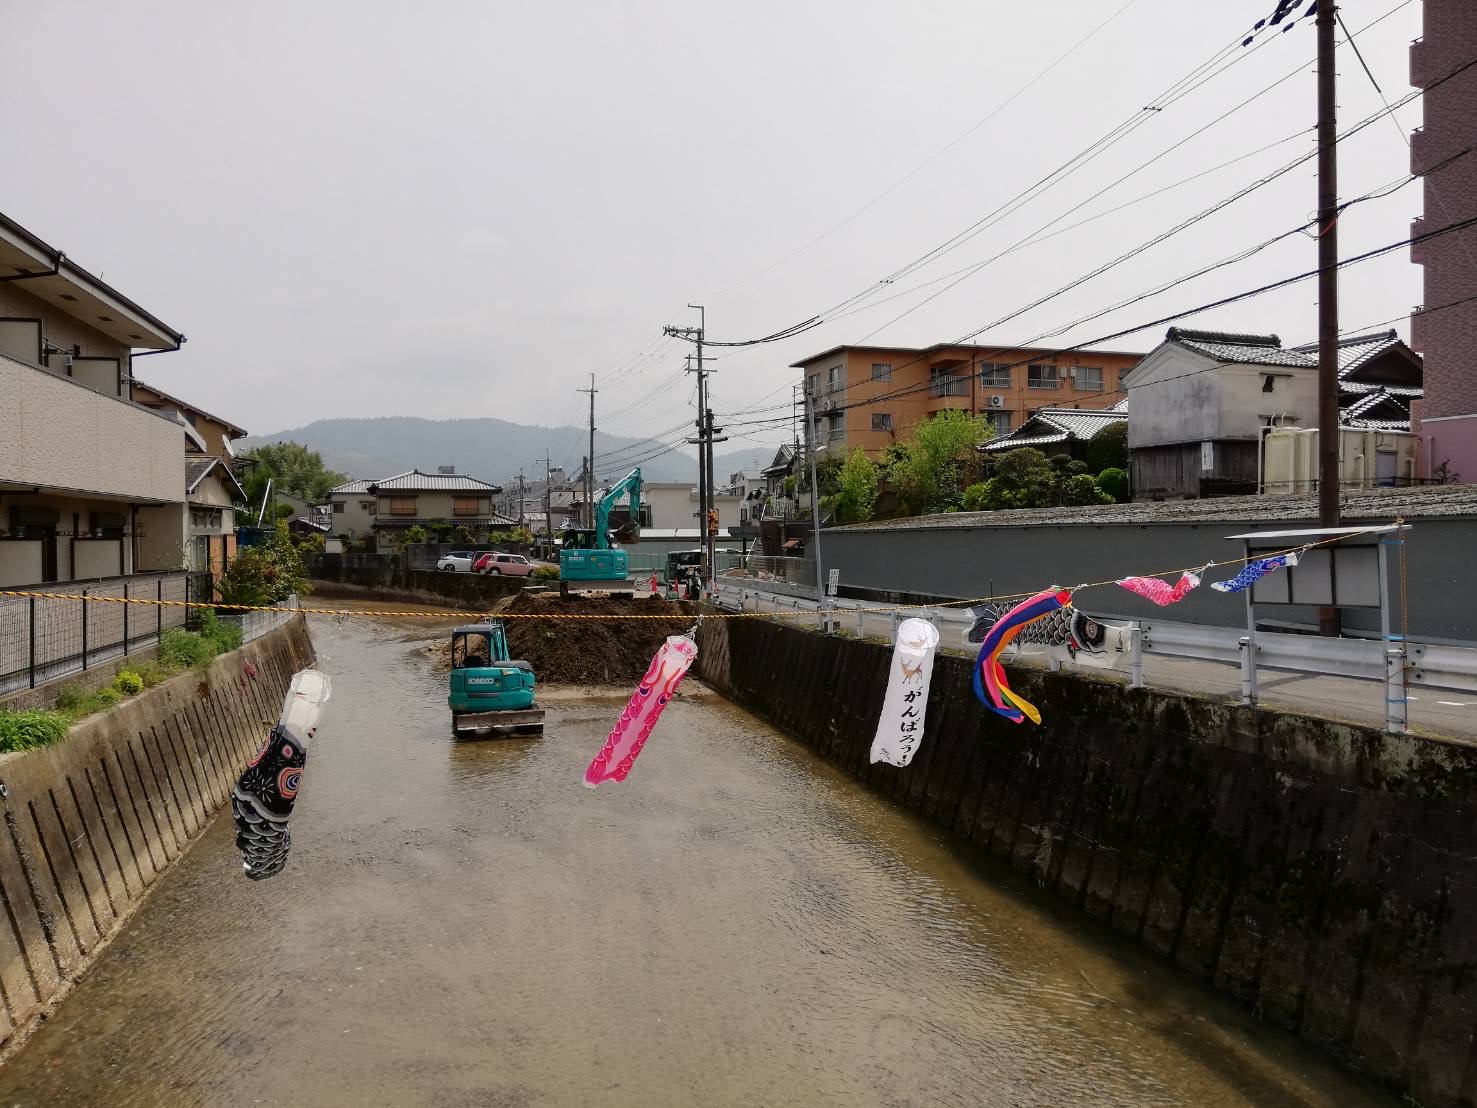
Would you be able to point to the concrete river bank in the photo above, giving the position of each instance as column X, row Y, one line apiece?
column 739, row 923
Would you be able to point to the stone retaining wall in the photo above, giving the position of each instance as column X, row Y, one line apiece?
column 91, row 823
column 1324, row 874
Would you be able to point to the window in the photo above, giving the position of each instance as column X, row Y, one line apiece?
column 1088, row 378
column 401, row 505
column 815, row 384
column 367, row 505
column 995, row 376
column 465, row 506
column 338, row 507
column 838, row 427
column 941, row 382
column 1041, row 377
column 881, row 371
column 1269, row 382
column 834, row 378
column 999, row 422
column 882, row 421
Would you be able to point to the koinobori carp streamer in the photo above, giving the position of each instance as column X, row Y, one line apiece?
column 645, row 707
column 267, row 789
column 989, row 675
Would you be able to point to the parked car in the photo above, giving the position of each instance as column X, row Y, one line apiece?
column 458, row 561
column 505, row 565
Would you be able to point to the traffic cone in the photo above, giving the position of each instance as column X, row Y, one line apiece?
column 655, row 584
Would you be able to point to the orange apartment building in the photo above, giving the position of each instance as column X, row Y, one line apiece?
column 868, row 396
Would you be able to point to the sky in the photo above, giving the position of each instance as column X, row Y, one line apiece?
column 465, row 207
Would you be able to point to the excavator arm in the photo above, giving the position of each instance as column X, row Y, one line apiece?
column 627, row 485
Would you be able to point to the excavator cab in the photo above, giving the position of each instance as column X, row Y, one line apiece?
column 586, row 557
column 487, row 688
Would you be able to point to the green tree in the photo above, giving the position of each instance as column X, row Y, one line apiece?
column 1081, row 489
column 1114, row 482
column 857, row 482
column 1024, row 478
column 1108, row 449
column 925, row 469
column 291, row 467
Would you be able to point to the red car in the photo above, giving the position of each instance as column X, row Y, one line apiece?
column 505, row 565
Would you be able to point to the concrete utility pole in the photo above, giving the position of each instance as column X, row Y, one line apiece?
column 548, row 498
column 1328, row 292
column 590, row 461
column 815, row 508
column 703, row 441
column 520, row 496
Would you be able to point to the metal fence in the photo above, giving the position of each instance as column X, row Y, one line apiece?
column 42, row 639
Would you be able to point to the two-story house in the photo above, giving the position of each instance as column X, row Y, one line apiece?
column 208, row 521
column 92, row 483
column 407, row 499
column 867, row 396
column 351, row 510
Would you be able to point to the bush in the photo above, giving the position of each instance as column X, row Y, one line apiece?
column 415, row 533
column 152, row 673
column 1114, row 482
column 248, row 579
column 127, row 682
column 1108, row 449
column 1082, row 489
column 106, row 698
column 545, row 573
column 31, row 729
column 180, row 649
column 975, row 498
column 70, row 697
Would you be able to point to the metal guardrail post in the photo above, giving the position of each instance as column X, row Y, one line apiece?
column 1397, row 706
column 33, row 642
column 1136, row 657
column 125, row 618
column 1248, row 671
column 861, row 623
column 159, row 609
column 83, row 606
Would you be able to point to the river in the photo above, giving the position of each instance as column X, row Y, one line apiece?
column 737, row 924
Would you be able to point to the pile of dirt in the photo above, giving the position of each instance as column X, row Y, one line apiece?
column 614, row 651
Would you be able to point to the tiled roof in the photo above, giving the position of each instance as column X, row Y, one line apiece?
column 196, row 470
column 1356, row 350
column 349, row 488
column 1057, row 425
column 1429, row 501
column 1240, row 349
column 493, row 520
column 416, row 481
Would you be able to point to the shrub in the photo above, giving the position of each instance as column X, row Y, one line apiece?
column 1114, row 482
column 415, row 533
column 975, row 498
column 249, row 578
column 180, row 649
column 106, row 698
column 220, row 634
column 1082, row 489
column 31, row 729
column 1108, row 449
column 152, row 673
column 128, row 682
column 70, row 697
column 545, row 573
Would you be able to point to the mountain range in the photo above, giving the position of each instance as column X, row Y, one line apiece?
column 492, row 449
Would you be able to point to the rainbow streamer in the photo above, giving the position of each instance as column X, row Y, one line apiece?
column 642, row 711
column 989, row 675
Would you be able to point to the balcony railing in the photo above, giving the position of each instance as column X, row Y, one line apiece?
column 949, row 386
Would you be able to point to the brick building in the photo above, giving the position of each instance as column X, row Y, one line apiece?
column 1447, row 418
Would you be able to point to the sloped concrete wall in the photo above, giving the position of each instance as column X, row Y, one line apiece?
column 91, row 823
column 1326, row 875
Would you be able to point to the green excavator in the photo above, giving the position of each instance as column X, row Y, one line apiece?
column 587, row 558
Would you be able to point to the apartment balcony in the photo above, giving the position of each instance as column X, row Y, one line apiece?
column 61, row 436
column 1421, row 64
column 1418, row 249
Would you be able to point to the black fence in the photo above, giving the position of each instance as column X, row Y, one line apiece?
column 42, row 638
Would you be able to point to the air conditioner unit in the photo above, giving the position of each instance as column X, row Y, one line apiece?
column 997, row 401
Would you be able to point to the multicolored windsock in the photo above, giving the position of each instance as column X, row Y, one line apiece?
column 642, row 711
column 1162, row 592
column 989, row 675
column 1253, row 572
column 267, row 789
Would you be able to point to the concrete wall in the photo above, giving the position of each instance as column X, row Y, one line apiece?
column 971, row 562
column 91, row 823
column 1324, row 875
column 387, row 575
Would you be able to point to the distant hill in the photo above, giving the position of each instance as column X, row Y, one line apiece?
column 492, row 449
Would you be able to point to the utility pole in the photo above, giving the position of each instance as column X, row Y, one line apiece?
column 1328, row 292
column 815, row 510
column 590, row 461
column 704, row 434
column 548, row 497
column 520, row 496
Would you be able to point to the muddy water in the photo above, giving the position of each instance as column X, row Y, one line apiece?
column 737, row 924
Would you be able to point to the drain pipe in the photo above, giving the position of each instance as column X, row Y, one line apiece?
column 56, row 268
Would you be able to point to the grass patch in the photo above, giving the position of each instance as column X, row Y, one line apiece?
column 35, row 727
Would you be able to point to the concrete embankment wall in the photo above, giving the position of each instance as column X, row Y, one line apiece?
column 388, row 575
column 91, row 823
column 1326, row 875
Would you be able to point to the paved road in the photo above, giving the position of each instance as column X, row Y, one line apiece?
column 737, row 924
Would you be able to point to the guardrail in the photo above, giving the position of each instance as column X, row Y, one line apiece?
column 1396, row 664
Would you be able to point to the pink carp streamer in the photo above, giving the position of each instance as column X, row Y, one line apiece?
column 642, row 711
column 1162, row 592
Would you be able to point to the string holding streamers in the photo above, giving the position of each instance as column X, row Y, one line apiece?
column 1162, row 592
column 1253, row 572
column 645, row 707
column 990, row 686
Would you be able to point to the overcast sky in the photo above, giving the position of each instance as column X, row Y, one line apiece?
column 462, row 207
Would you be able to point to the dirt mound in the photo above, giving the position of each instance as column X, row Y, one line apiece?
column 611, row 651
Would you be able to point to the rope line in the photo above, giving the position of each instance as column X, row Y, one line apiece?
column 343, row 613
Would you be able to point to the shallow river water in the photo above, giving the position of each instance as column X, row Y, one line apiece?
column 736, row 924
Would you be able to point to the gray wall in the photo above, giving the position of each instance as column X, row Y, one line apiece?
column 971, row 562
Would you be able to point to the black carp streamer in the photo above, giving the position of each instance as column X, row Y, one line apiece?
column 266, row 790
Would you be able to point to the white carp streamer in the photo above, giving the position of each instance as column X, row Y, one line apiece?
column 900, row 730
